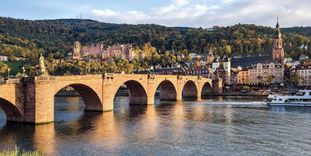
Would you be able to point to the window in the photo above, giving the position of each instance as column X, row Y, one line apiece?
column 306, row 100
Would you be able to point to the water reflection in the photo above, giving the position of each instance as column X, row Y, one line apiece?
column 166, row 128
column 44, row 139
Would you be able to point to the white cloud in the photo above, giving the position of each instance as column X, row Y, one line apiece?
column 134, row 17
column 181, row 2
column 104, row 13
column 207, row 13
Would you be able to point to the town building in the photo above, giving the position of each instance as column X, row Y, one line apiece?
column 4, row 58
column 242, row 77
column 304, row 75
column 266, row 73
column 198, row 69
column 223, row 67
column 237, row 62
column 203, row 71
column 303, row 57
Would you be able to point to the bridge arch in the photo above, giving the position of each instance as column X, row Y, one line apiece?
column 137, row 92
column 167, row 90
column 190, row 90
column 91, row 99
column 206, row 89
column 11, row 111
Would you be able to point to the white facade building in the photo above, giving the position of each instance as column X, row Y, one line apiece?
column 266, row 73
column 304, row 75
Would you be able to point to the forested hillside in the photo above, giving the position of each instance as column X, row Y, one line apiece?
column 55, row 37
column 306, row 31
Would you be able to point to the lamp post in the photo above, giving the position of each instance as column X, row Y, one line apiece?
column 9, row 73
column 24, row 71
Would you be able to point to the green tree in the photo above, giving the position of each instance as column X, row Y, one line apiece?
column 270, row 79
column 228, row 50
column 3, row 68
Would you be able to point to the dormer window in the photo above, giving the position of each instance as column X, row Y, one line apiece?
column 259, row 65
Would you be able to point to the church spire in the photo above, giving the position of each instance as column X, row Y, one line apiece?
column 277, row 23
column 278, row 33
column 278, row 50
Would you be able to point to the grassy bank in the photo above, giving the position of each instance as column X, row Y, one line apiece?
column 18, row 152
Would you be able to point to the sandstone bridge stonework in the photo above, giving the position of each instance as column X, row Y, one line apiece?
column 31, row 100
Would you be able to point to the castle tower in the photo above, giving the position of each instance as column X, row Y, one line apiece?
column 76, row 50
column 278, row 50
column 227, row 66
column 215, row 64
column 209, row 58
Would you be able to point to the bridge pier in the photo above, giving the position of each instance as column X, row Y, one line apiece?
column 39, row 100
column 150, row 100
column 107, row 103
column 179, row 97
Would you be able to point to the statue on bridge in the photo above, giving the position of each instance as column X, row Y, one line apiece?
column 43, row 71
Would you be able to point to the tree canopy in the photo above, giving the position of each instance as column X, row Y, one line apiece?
column 55, row 37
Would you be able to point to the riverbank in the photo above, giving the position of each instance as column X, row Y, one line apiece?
column 237, row 94
column 16, row 152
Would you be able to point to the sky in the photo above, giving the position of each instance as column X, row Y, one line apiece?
column 183, row 13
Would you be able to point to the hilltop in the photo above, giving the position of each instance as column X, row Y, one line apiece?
column 28, row 38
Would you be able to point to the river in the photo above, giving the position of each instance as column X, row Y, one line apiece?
column 217, row 126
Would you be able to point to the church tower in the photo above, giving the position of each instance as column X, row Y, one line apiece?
column 76, row 50
column 278, row 50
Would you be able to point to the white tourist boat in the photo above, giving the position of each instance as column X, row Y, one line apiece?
column 301, row 98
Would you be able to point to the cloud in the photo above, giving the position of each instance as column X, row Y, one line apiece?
column 134, row 17
column 208, row 13
column 181, row 2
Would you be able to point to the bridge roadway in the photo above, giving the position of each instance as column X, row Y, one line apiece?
column 31, row 100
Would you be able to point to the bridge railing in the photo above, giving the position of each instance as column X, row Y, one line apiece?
column 9, row 81
column 108, row 75
column 45, row 78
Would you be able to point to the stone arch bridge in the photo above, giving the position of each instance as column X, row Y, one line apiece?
column 31, row 99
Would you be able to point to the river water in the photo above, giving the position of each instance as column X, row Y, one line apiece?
column 218, row 126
